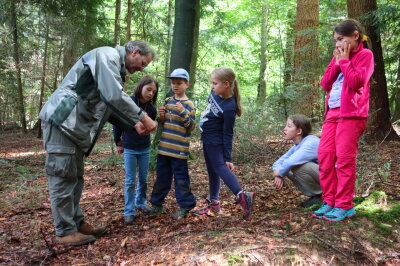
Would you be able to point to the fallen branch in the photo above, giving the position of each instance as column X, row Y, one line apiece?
column 331, row 246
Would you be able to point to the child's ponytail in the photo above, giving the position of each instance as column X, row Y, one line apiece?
column 236, row 94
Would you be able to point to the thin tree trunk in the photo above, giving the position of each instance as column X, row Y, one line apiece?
column 306, row 57
column 43, row 78
column 262, row 87
column 128, row 38
column 128, row 22
column 20, row 98
column 117, row 25
column 395, row 97
column 60, row 52
column 379, row 126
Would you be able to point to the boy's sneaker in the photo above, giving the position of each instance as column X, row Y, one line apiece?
column 181, row 213
column 338, row 214
column 213, row 207
column 311, row 201
column 325, row 208
column 154, row 210
column 145, row 209
column 246, row 200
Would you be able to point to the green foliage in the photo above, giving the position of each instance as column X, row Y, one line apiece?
column 376, row 208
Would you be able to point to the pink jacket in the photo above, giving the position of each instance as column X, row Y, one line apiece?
column 357, row 71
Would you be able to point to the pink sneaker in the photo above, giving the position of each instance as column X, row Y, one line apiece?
column 214, row 206
column 246, row 200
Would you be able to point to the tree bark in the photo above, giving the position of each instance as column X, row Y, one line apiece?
column 128, row 22
column 168, row 46
column 20, row 95
column 184, row 35
column 306, row 57
column 379, row 126
column 43, row 78
column 195, row 49
column 117, row 24
column 262, row 87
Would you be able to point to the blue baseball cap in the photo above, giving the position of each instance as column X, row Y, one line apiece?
column 179, row 73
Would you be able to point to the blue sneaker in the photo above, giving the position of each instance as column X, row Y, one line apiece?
column 321, row 211
column 338, row 214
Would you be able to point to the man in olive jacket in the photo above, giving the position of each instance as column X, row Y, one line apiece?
column 90, row 95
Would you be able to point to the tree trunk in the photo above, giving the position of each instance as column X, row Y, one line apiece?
column 262, row 87
column 168, row 47
column 117, row 25
column 395, row 97
column 195, row 50
column 184, row 34
column 128, row 22
column 60, row 52
column 43, row 78
column 306, row 57
column 379, row 126
column 20, row 98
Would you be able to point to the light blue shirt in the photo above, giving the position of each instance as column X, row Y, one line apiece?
column 334, row 98
column 304, row 152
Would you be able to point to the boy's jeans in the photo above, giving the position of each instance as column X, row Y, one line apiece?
column 134, row 159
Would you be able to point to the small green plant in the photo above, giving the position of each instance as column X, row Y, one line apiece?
column 234, row 259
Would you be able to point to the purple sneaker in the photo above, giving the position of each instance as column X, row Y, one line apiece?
column 213, row 207
column 246, row 200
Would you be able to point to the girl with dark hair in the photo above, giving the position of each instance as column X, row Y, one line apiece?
column 300, row 163
column 136, row 149
column 347, row 81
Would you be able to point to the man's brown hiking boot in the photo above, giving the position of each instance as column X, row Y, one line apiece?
column 75, row 239
column 87, row 229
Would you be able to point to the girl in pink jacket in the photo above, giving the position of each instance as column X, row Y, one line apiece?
column 346, row 79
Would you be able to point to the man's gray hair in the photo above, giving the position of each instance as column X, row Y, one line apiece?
column 143, row 47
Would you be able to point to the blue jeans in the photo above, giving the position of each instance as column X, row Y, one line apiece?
column 168, row 167
column 134, row 159
column 216, row 168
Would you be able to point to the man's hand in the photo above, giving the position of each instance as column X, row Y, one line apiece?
column 148, row 124
column 230, row 166
column 279, row 182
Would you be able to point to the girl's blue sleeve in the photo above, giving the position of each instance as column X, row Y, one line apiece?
column 306, row 152
column 229, row 123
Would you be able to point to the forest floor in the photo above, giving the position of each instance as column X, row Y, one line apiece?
column 279, row 232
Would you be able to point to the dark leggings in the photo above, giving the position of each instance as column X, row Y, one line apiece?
column 216, row 168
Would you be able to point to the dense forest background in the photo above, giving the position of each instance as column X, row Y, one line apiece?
column 278, row 49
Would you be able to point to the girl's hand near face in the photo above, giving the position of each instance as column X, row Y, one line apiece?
column 343, row 52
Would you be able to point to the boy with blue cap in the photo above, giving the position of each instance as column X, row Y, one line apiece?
column 178, row 119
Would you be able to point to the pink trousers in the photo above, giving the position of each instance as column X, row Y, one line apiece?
column 337, row 154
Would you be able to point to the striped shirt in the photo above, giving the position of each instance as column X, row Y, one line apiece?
column 175, row 136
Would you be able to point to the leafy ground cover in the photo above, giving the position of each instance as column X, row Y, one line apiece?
column 279, row 232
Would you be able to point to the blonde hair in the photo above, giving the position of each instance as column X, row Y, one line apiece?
column 227, row 74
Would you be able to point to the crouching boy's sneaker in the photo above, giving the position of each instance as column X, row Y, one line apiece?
column 246, row 200
column 338, row 214
column 325, row 208
column 213, row 207
column 181, row 213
